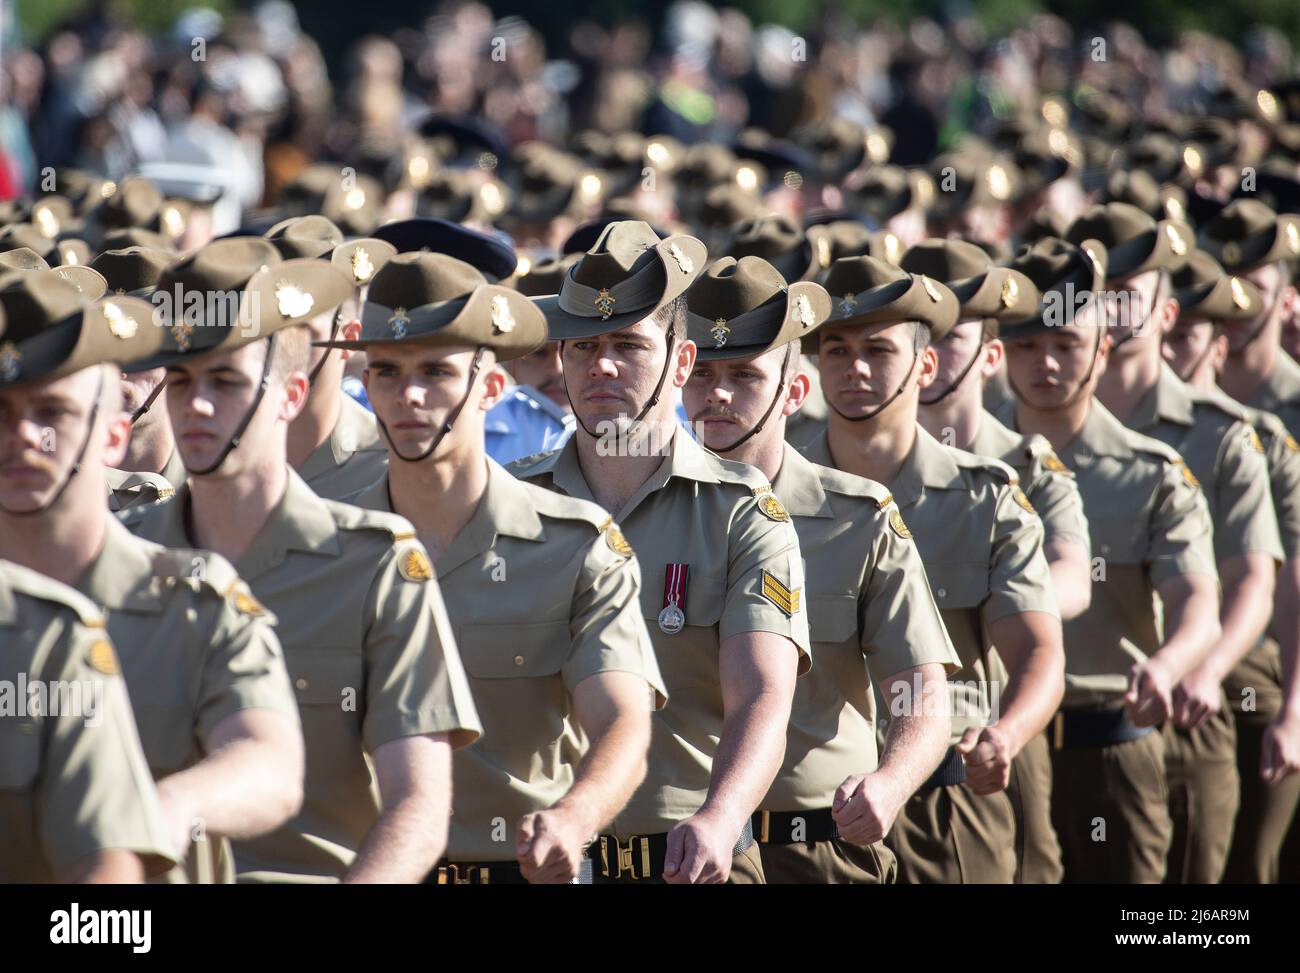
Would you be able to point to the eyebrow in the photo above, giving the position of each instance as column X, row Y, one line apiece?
column 214, row 370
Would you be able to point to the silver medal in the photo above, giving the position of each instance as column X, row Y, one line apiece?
column 671, row 620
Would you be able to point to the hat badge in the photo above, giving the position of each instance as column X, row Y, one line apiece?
column 999, row 183
column 363, row 267
column 46, row 222
column 1176, row 242
column 848, row 304
column 292, row 301
column 503, row 322
column 119, row 325
column 181, row 334
column 823, row 251
column 1231, row 252
column 684, row 263
column 1010, row 291
column 398, row 322
column 1239, row 296
column 930, row 289
column 11, row 361
column 719, row 332
column 892, row 245
column 172, row 221
column 1292, row 238
column 803, row 312
column 604, row 302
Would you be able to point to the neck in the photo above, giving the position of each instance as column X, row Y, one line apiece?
column 876, row 448
column 956, row 420
column 1128, row 379
column 60, row 543
column 1057, row 426
column 316, row 422
column 228, row 513
column 765, row 452
column 616, row 474
column 1202, row 379
column 150, row 448
column 1245, row 371
column 438, row 497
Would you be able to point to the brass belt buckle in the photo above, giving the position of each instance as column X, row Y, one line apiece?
column 624, row 857
column 450, row 875
column 1058, row 731
column 764, row 826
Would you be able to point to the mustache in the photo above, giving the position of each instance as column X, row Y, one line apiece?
column 716, row 413
column 29, row 457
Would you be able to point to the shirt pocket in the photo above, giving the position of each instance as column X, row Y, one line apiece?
column 514, row 651
column 833, row 618
column 705, row 599
column 327, row 678
column 1122, row 540
column 959, row 586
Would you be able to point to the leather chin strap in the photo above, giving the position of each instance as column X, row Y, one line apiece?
column 334, row 330
column 446, row 426
column 262, row 386
column 76, row 463
column 1263, row 321
column 1083, row 384
column 1155, row 303
column 1187, row 373
column 916, row 356
column 650, row 402
column 956, row 383
column 148, row 403
column 780, row 392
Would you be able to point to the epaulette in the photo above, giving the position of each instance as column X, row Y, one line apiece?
column 532, row 464
column 16, row 579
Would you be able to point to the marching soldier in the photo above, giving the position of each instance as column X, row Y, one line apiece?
column 824, row 818
column 1227, row 458
column 731, row 630
column 951, row 410
column 365, row 635
column 1149, row 525
column 542, row 589
column 1263, row 688
column 216, row 716
column 981, row 544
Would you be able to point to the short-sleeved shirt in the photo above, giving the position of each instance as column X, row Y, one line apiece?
column 982, row 546
column 743, row 574
column 1224, row 453
column 1280, row 393
column 524, row 422
column 542, row 591
column 351, row 459
column 1047, row 481
column 1282, row 453
column 369, row 648
column 194, row 649
column 1149, row 522
column 73, row 779
column 871, row 615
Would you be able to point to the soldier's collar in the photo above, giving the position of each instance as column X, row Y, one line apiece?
column 1174, row 400
column 929, row 464
column 1284, row 381
column 509, row 505
column 301, row 521
column 799, row 487
column 686, row 458
column 122, row 575
column 1102, row 435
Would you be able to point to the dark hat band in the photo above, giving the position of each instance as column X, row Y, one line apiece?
column 642, row 290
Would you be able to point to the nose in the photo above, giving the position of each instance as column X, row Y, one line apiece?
column 413, row 394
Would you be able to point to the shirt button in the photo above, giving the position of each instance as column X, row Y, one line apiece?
column 1105, row 548
column 300, row 683
column 942, row 592
column 519, row 660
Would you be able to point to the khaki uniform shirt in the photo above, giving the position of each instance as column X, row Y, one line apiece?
column 543, row 592
column 1282, row 453
column 1280, row 393
column 351, row 459
column 1047, row 481
column 1149, row 522
column 745, row 575
column 195, row 647
column 369, row 649
column 73, row 780
column 871, row 615
column 982, row 547
column 1224, row 453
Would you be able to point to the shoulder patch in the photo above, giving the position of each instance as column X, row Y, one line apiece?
column 1053, row 463
column 1019, row 496
column 614, row 538
column 1256, row 443
column 1291, row 444
column 244, row 601
column 413, row 565
column 772, row 508
column 899, row 527
column 103, row 659
column 1188, row 475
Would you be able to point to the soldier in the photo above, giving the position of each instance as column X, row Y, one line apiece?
column 333, row 444
column 1150, row 528
column 151, row 468
column 731, row 630
column 1227, row 458
column 365, row 635
column 1263, row 688
column 875, row 358
column 215, row 713
column 542, row 590
column 951, row 410
column 74, row 789
column 832, row 802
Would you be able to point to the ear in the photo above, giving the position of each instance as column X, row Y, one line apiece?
column 796, row 394
column 686, row 352
column 117, row 436
column 993, row 354
column 1218, row 352
column 1168, row 315
column 351, row 331
column 495, row 382
column 929, row 368
column 296, row 390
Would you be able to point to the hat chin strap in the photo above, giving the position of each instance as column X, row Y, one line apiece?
column 916, row 356
column 650, row 402
column 1200, row 359
column 76, row 463
column 334, row 330
column 148, row 403
column 780, row 390
column 262, row 386
column 956, row 383
column 1155, row 303
column 446, row 426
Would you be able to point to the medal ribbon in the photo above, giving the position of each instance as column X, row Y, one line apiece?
column 675, row 585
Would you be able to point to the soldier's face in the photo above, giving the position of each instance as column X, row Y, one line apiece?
column 1272, row 287
column 954, row 354
column 1045, row 369
column 414, row 389
column 136, row 389
column 612, row 376
column 861, row 366
column 542, row 370
column 725, row 399
column 1187, row 348
column 1134, row 307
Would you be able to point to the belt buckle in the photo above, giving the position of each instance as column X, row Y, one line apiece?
column 624, row 857
column 451, row 875
column 1058, row 730
column 764, row 827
